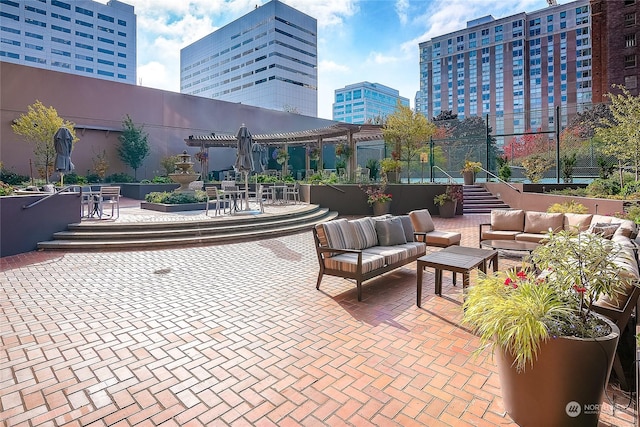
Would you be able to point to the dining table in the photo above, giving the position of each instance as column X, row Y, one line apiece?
column 279, row 194
column 235, row 198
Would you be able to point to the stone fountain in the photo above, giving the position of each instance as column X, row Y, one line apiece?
column 182, row 175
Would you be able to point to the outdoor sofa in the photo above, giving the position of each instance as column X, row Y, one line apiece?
column 364, row 248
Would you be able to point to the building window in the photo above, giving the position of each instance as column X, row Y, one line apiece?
column 630, row 40
column 629, row 2
column 629, row 19
column 631, row 82
column 629, row 61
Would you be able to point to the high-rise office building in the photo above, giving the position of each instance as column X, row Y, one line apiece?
column 515, row 69
column 267, row 58
column 81, row 37
column 616, row 46
column 362, row 102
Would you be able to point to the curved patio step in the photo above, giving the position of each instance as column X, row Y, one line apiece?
column 101, row 235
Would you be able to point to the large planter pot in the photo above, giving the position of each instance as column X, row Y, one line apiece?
column 392, row 177
column 565, row 386
column 469, row 178
column 381, row 208
column 448, row 209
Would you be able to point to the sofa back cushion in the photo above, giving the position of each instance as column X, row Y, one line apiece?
column 390, row 232
column 337, row 234
column 542, row 222
column 507, row 220
column 407, row 226
column 364, row 230
column 422, row 221
column 576, row 223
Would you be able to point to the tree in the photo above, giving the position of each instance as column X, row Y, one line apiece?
column 134, row 146
column 406, row 131
column 620, row 133
column 39, row 126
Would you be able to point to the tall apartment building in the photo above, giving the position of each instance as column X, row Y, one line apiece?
column 267, row 58
column 81, row 37
column 616, row 46
column 516, row 69
column 364, row 101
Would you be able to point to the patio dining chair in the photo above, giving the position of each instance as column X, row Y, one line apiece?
column 293, row 193
column 213, row 196
column 109, row 196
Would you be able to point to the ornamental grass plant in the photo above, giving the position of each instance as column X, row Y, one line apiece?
column 518, row 309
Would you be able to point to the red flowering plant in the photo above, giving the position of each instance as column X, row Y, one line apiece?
column 519, row 309
column 377, row 193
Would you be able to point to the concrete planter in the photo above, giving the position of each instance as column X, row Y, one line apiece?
column 448, row 209
column 162, row 207
column 565, row 386
column 138, row 191
column 22, row 229
column 350, row 199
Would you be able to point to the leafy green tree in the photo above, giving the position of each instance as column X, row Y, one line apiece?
column 406, row 132
column 134, row 145
column 621, row 133
column 38, row 126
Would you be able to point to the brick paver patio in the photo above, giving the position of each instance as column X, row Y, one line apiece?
column 238, row 335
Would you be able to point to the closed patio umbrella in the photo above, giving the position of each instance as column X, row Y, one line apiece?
column 244, row 159
column 63, row 142
column 260, row 158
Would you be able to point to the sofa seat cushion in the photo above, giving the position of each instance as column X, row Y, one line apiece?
column 507, row 220
column 417, row 248
column 542, row 222
column 349, row 262
column 499, row 235
column 530, row 237
column 576, row 223
column 391, row 254
column 442, row 238
column 364, row 230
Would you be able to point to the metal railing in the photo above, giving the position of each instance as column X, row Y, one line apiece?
column 449, row 177
column 62, row 190
column 499, row 179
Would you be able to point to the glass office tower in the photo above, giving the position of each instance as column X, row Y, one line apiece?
column 267, row 58
column 364, row 102
column 73, row 36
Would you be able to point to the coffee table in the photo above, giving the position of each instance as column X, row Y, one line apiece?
column 457, row 259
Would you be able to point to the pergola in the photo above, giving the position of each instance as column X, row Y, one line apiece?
column 347, row 133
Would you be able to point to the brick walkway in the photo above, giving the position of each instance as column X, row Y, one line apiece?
column 238, row 335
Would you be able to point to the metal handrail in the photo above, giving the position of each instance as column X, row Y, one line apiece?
column 52, row 195
column 499, row 179
column 450, row 178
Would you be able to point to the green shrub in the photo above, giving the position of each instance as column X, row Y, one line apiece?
column 119, row 177
column 5, row 189
column 74, row 178
column 603, row 187
column 632, row 213
column 374, row 168
column 175, row 198
column 161, row 180
column 12, row 178
column 568, row 207
column 93, row 178
column 631, row 188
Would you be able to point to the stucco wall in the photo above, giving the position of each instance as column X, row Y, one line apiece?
column 167, row 117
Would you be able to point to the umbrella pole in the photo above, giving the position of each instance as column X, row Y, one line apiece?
column 246, row 191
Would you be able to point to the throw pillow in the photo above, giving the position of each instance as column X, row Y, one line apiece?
column 390, row 232
column 605, row 230
column 407, row 226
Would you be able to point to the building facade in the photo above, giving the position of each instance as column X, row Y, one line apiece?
column 516, row 69
column 267, row 58
column 80, row 37
column 365, row 102
column 616, row 46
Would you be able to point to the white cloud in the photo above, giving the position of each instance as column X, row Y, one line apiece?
column 331, row 66
column 402, row 7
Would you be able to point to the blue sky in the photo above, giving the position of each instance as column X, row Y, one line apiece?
column 358, row 40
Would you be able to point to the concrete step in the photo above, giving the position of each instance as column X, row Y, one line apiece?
column 478, row 200
column 92, row 236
